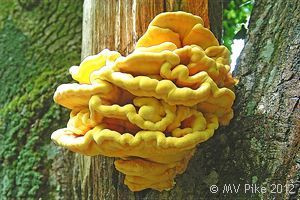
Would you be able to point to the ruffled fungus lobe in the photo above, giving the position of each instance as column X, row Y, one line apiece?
column 153, row 107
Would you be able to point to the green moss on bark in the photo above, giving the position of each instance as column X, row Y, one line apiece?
column 38, row 42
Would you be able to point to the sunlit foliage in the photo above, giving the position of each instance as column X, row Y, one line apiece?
column 235, row 14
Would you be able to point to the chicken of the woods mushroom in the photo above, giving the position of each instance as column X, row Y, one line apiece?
column 152, row 107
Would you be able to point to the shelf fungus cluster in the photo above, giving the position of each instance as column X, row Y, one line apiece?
column 153, row 107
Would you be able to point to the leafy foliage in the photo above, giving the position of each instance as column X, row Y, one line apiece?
column 236, row 13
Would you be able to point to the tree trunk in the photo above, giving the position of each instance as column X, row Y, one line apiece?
column 259, row 147
column 39, row 40
column 117, row 25
column 265, row 133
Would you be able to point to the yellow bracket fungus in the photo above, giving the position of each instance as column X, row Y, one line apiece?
column 152, row 107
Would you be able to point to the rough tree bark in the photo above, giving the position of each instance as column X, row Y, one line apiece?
column 265, row 134
column 39, row 40
column 261, row 144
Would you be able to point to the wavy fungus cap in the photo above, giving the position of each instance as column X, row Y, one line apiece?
column 153, row 107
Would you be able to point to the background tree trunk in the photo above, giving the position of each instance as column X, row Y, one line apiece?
column 264, row 138
column 39, row 41
column 260, row 145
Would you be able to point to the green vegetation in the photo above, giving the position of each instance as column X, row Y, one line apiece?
column 236, row 14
